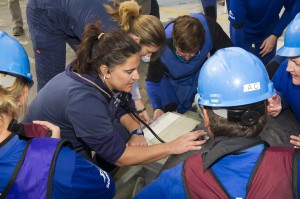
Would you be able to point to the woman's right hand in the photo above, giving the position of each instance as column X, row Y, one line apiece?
column 157, row 113
column 188, row 142
column 55, row 130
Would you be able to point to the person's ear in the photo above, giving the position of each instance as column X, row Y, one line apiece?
column 104, row 70
column 135, row 38
column 207, row 122
column 205, row 118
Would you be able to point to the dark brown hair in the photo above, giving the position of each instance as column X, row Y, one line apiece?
column 188, row 34
column 111, row 49
column 222, row 127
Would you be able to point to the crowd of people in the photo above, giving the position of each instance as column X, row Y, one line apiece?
column 88, row 112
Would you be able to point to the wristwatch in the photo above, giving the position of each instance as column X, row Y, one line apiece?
column 137, row 132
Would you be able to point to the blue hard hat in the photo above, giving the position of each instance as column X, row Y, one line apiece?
column 13, row 58
column 291, row 47
column 233, row 77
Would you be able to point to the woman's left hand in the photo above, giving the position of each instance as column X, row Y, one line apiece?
column 139, row 105
column 144, row 116
column 137, row 140
column 295, row 140
column 53, row 128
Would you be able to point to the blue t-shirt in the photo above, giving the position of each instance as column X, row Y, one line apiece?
column 289, row 93
column 74, row 177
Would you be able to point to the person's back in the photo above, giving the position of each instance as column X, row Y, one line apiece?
column 70, row 17
column 57, row 108
column 233, row 101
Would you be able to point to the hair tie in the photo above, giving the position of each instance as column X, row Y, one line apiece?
column 100, row 35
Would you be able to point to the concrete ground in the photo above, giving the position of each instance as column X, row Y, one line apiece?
column 169, row 9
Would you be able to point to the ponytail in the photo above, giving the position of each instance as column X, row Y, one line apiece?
column 128, row 15
column 96, row 48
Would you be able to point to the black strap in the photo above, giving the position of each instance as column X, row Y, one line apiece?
column 52, row 168
column 187, row 193
column 15, row 173
column 218, row 182
column 257, row 164
column 295, row 173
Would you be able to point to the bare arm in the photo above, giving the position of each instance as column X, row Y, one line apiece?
column 146, row 154
column 129, row 122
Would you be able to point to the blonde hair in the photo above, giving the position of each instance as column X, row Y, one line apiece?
column 9, row 98
column 130, row 19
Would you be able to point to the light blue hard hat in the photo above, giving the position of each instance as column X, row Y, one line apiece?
column 233, row 77
column 291, row 47
column 13, row 58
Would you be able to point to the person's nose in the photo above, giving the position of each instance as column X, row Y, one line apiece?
column 135, row 75
column 290, row 66
column 187, row 57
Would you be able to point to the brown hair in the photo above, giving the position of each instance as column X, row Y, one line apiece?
column 130, row 19
column 222, row 127
column 96, row 49
column 188, row 34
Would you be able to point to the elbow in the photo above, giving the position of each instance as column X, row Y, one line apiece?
column 238, row 25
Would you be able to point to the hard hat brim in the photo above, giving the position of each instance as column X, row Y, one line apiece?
column 288, row 52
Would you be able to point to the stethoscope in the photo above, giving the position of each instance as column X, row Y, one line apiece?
column 128, row 106
column 140, row 120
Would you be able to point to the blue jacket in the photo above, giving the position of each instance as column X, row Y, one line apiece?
column 289, row 93
column 38, row 174
column 68, row 17
column 258, row 19
column 87, row 115
column 169, row 80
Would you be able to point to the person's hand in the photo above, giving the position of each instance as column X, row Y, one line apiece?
column 53, row 128
column 295, row 140
column 139, row 105
column 274, row 105
column 268, row 45
column 188, row 142
column 137, row 140
column 144, row 116
column 157, row 113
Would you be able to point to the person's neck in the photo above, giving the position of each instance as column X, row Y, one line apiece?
column 4, row 133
